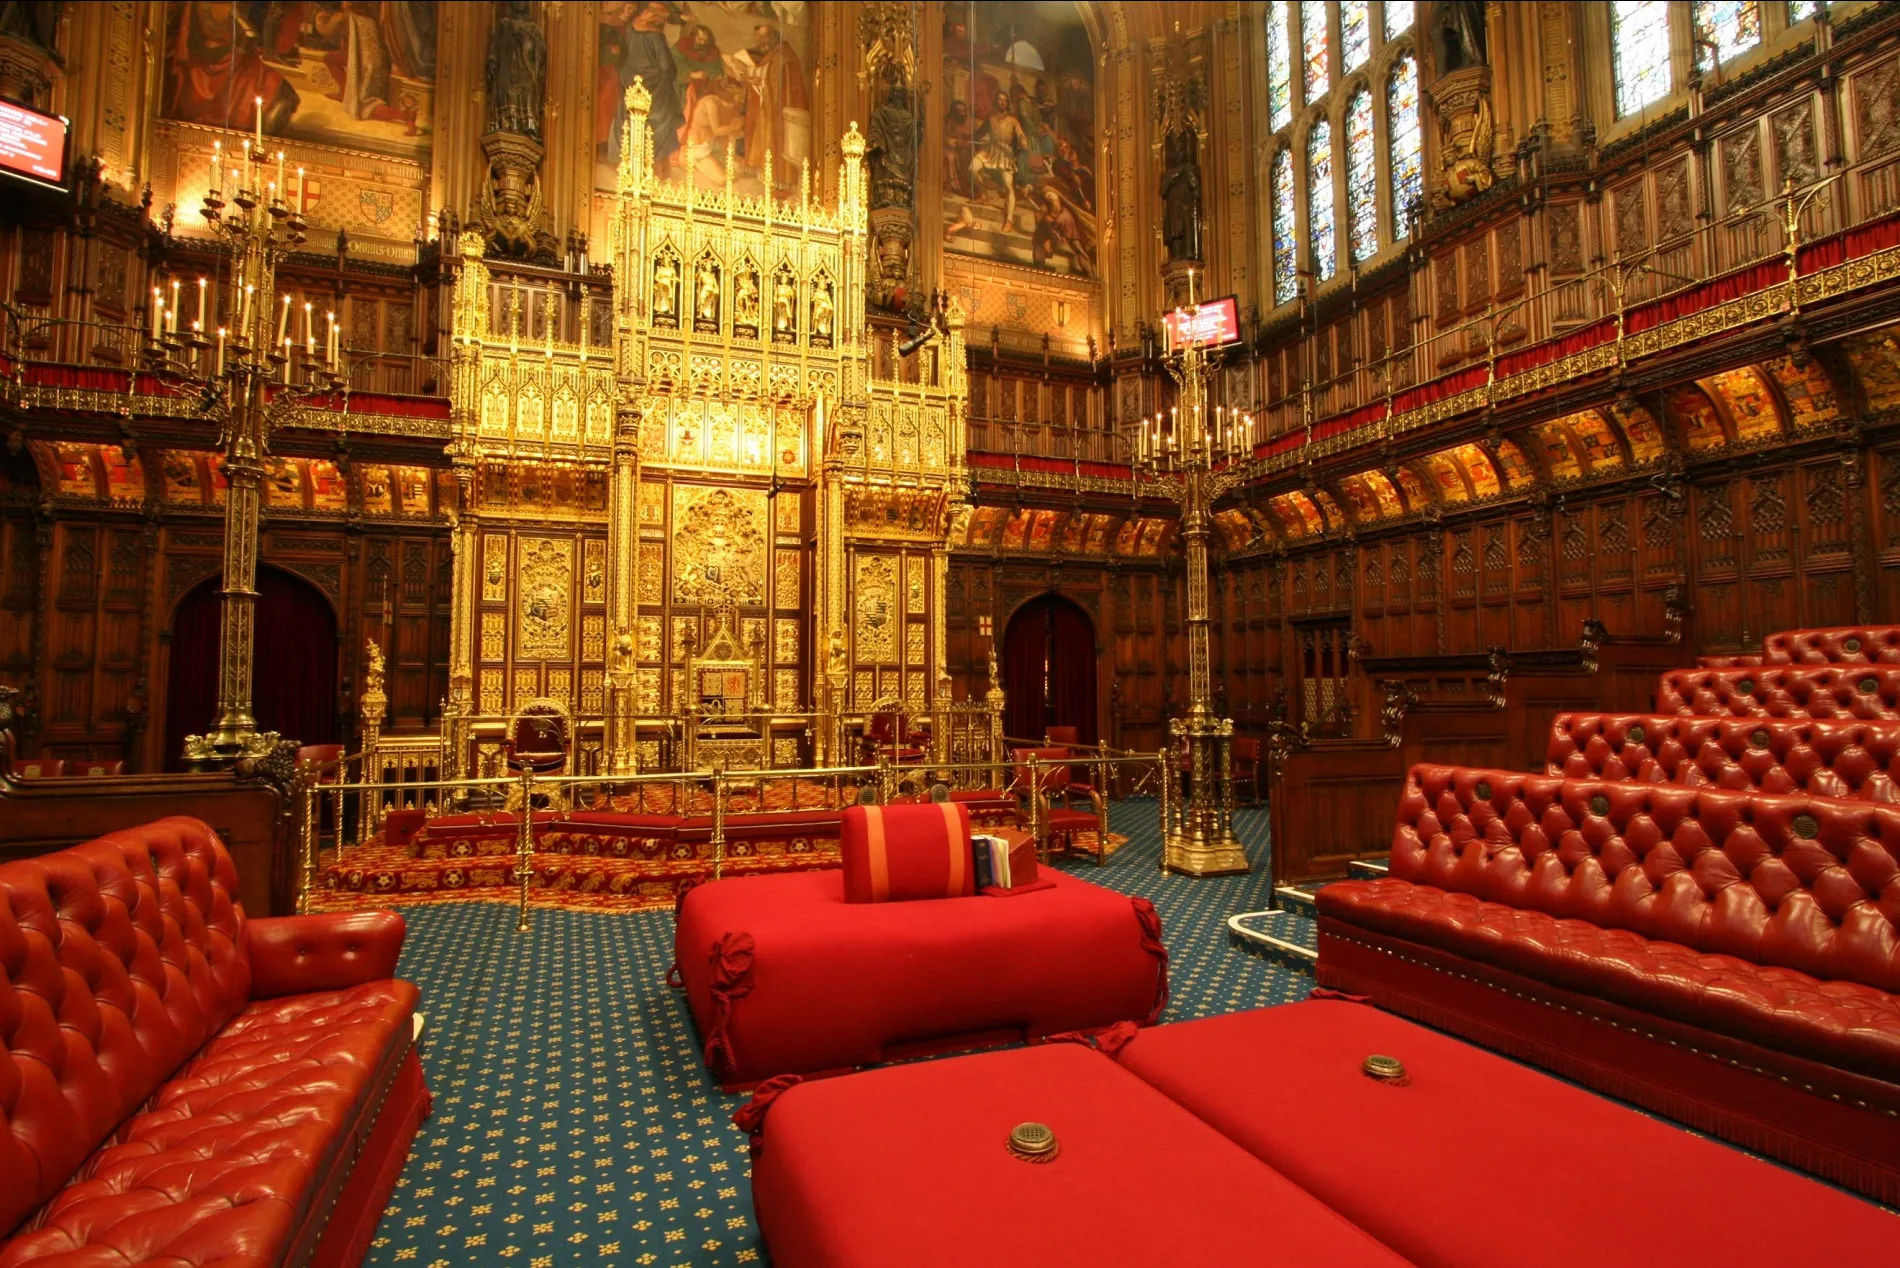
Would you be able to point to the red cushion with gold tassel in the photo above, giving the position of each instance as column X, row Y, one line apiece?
column 897, row 853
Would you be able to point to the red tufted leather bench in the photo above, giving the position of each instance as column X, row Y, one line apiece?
column 1871, row 693
column 1857, row 760
column 1839, row 645
column 180, row 1084
column 1729, row 959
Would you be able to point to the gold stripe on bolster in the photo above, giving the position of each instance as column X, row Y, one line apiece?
column 958, row 844
column 876, row 854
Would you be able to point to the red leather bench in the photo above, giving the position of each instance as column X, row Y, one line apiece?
column 909, row 1165
column 785, row 977
column 1728, row 959
column 1859, row 760
column 1870, row 693
column 1836, row 645
column 1412, row 1163
column 181, row 1084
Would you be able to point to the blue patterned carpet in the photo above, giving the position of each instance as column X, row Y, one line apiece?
column 574, row 1123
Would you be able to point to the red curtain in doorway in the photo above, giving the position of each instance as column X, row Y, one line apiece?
column 294, row 683
column 1072, row 670
column 1025, row 645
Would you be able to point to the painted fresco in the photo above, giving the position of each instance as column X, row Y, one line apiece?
column 184, row 481
column 1750, row 406
column 1359, row 499
column 1100, row 526
column 1640, row 429
column 1558, row 455
column 1416, row 494
column 1477, row 467
column 1018, row 151
column 1445, row 477
column 357, row 73
column 328, row 491
column 723, row 76
column 1598, row 441
column 379, row 491
column 1696, row 416
column 1810, row 396
column 1876, row 360
column 1514, row 466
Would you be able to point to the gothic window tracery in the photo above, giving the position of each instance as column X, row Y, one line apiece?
column 1315, row 64
column 1286, row 252
column 1355, row 34
column 1279, row 68
column 1319, row 199
column 1362, row 177
column 1639, row 40
column 1408, row 155
column 1725, row 29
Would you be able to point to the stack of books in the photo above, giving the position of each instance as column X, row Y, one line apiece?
column 1001, row 865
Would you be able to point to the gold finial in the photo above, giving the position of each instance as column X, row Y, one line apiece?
column 639, row 99
column 471, row 245
column 853, row 143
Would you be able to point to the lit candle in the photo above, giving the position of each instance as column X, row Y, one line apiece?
column 296, row 202
column 283, row 322
column 200, row 323
column 286, row 360
column 158, row 310
column 220, row 351
column 244, row 178
column 332, row 352
column 259, row 117
column 171, row 315
column 309, row 336
column 217, row 168
column 280, row 172
column 244, row 312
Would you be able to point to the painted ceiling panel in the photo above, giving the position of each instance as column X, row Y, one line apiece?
column 1749, row 403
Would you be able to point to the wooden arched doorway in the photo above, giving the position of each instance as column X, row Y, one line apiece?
column 1049, row 669
column 294, row 686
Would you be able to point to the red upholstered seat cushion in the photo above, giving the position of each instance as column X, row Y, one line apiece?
column 1859, row 760
column 1407, row 1163
column 241, row 1155
column 908, row 1165
column 813, row 983
column 1061, row 820
column 1840, row 1023
column 1870, row 692
column 895, row 853
column 1839, row 645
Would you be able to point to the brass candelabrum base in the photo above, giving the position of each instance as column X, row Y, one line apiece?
column 1197, row 833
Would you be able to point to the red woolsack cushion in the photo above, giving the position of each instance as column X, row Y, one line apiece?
column 898, row 853
column 1309, row 1111
column 910, row 1165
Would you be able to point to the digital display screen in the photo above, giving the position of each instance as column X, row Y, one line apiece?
column 1216, row 323
column 33, row 145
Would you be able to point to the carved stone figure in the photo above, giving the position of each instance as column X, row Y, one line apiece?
column 892, row 149
column 706, row 292
column 517, row 71
column 821, row 311
column 666, row 276
column 1461, row 35
column 745, row 299
column 784, row 306
column 1181, row 195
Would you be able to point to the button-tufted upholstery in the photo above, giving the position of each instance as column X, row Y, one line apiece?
column 1871, row 692
column 1727, row 662
column 1838, row 645
column 1858, row 760
column 1769, row 918
column 166, row 1110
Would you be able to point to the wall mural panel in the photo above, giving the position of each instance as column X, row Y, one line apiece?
column 721, row 75
column 1019, row 135
column 359, row 74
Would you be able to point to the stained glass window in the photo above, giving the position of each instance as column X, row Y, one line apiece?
column 1313, row 34
column 1319, row 199
column 1355, row 34
column 1398, row 18
column 1401, row 123
column 1802, row 10
column 1730, row 26
column 1362, row 177
column 1286, row 230
column 1639, row 37
column 1279, row 68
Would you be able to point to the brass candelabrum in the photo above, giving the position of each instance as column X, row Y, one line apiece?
column 1191, row 454
column 249, row 375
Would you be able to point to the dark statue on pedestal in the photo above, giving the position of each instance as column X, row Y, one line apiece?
column 891, row 148
column 517, row 72
column 1181, row 195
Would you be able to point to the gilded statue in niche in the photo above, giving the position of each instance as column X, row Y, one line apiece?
column 542, row 601
column 666, row 289
column 785, row 306
column 745, row 300
column 706, row 295
column 719, row 548
column 822, row 313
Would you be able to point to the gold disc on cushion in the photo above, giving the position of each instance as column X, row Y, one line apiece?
column 1746, row 686
column 1760, row 739
column 1032, row 1142
column 1599, row 805
column 1383, row 1068
column 1868, row 686
column 1806, row 827
column 1637, row 733
column 1483, row 790
column 1850, row 646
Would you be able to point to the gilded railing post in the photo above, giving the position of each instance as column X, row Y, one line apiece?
column 470, row 328
column 308, row 815
column 718, row 842
column 374, row 705
column 524, row 846
column 1034, row 791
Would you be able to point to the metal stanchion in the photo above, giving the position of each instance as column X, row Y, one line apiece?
column 524, row 846
column 307, row 831
column 718, row 822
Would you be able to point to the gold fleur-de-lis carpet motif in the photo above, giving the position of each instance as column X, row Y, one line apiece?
column 574, row 1122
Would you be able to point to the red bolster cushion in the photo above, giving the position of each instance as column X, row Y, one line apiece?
column 292, row 955
column 896, row 853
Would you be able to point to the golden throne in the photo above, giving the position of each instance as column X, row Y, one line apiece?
column 724, row 702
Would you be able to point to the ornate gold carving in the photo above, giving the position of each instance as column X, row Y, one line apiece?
column 594, row 637
column 785, row 645
column 494, row 568
column 494, row 635
column 787, row 563
column 491, row 691
column 652, row 571
column 647, row 638
column 718, row 545
column 546, row 586
column 877, row 609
